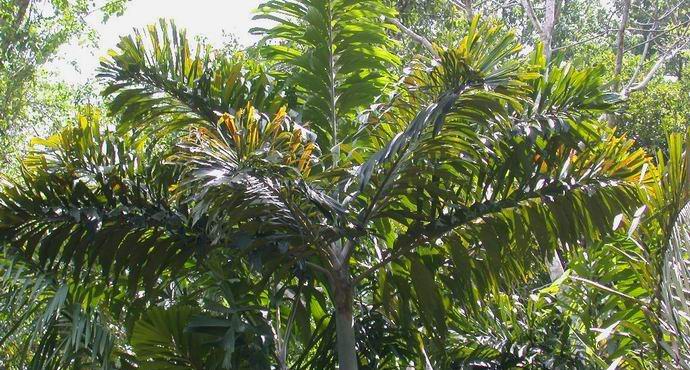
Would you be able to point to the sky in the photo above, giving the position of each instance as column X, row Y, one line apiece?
column 207, row 18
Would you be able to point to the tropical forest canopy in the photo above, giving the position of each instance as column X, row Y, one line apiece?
column 375, row 184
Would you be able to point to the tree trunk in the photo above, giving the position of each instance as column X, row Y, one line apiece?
column 344, row 321
column 11, row 34
column 620, row 42
column 550, row 19
column 681, row 64
column 469, row 12
column 555, row 267
column 544, row 29
column 22, row 7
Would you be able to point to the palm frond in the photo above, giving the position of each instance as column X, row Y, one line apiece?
column 160, row 340
column 58, row 324
column 336, row 55
column 475, row 201
column 248, row 176
column 672, row 194
column 90, row 199
column 157, row 79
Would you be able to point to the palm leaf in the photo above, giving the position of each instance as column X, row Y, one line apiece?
column 157, row 79
column 337, row 57
column 90, row 199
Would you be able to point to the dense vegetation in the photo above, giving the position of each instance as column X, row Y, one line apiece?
column 374, row 185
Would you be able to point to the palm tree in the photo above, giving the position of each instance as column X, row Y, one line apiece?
column 381, row 197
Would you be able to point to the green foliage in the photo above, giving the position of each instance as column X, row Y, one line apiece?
column 523, row 330
column 336, row 52
column 157, row 75
column 161, row 341
column 405, row 205
column 651, row 115
column 618, row 304
column 598, row 314
column 51, row 323
column 75, row 188
column 46, row 106
column 610, row 302
column 32, row 103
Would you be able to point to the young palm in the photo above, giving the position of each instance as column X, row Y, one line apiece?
column 362, row 199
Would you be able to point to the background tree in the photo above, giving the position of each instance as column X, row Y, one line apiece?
column 31, row 33
column 640, row 44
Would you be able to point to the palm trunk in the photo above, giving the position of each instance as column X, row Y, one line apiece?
column 344, row 323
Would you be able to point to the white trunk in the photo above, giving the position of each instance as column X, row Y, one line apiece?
column 620, row 38
column 555, row 268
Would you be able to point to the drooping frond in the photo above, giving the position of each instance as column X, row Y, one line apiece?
column 63, row 322
column 671, row 194
column 90, row 202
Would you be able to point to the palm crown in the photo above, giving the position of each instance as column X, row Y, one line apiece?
column 317, row 190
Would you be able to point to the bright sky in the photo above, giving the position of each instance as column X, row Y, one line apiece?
column 207, row 18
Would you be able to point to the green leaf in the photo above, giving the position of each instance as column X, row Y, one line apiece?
column 429, row 299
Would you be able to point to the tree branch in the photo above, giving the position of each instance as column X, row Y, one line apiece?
column 22, row 10
column 656, row 67
column 620, row 38
column 466, row 6
column 663, row 16
column 532, row 16
column 643, row 58
column 347, row 250
column 551, row 13
column 416, row 37
column 661, row 33
column 600, row 35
